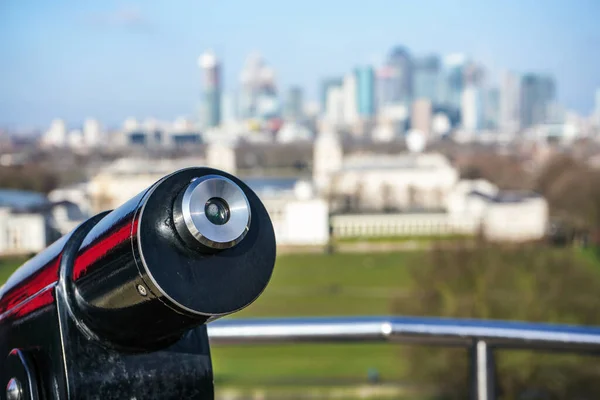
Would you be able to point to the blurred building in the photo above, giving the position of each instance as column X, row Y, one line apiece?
column 491, row 109
column 326, row 84
column 422, row 115
column 365, row 181
column 440, row 125
column 334, row 107
column 211, row 87
column 427, row 78
column 29, row 221
column 21, row 233
column 56, row 135
column 294, row 132
column 299, row 217
column 537, row 94
column 472, row 112
column 156, row 135
column 294, row 104
column 258, row 96
column 75, row 194
column 418, row 194
column 397, row 82
column 221, row 155
column 228, row 109
column 365, row 91
column 453, row 80
column 397, row 117
column 510, row 100
column 92, row 133
column 75, row 139
column 350, row 99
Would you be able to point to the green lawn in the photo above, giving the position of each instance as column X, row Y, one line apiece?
column 8, row 266
column 338, row 284
column 294, row 364
column 321, row 285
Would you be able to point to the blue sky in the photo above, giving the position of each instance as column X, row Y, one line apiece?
column 112, row 59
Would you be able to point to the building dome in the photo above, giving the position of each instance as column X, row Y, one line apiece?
column 294, row 132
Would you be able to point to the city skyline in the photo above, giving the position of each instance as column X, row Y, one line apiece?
column 152, row 69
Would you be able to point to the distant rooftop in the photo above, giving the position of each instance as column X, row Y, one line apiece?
column 267, row 186
column 21, row 199
column 399, row 161
column 507, row 196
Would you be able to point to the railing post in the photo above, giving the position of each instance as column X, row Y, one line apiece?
column 483, row 371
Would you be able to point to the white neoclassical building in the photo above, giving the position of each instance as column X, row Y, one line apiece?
column 378, row 182
column 418, row 194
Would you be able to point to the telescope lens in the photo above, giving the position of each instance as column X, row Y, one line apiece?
column 212, row 210
column 217, row 211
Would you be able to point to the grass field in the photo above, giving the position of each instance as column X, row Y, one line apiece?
column 8, row 265
column 321, row 285
column 338, row 284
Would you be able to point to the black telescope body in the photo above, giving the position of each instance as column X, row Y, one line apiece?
column 117, row 308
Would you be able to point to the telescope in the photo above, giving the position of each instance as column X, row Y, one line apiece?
column 117, row 308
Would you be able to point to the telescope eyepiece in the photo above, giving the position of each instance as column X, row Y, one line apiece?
column 217, row 211
column 212, row 212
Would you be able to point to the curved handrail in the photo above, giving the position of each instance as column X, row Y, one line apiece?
column 426, row 330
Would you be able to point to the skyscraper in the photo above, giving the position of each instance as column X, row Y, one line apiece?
column 91, row 132
column 258, row 94
column 453, row 82
column 294, row 104
column 211, row 86
column 421, row 116
column 397, row 86
column 537, row 94
column 56, row 135
column 510, row 99
column 427, row 78
column 491, row 108
column 325, row 85
column 334, row 110
column 472, row 108
column 350, row 99
column 365, row 91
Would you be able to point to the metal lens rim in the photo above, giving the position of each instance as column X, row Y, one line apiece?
column 195, row 197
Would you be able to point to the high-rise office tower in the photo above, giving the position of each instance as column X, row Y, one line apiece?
column 426, row 75
column 349, row 94
column 491, row 108
column 510, row 100
column 334, row 107
column 258, row 94
column 228, row 108
column 56, row 135
column 472, row 108
column 421, row 116
column 537, row 94
column 453, row 82
column 92, row 132
column 294, row 104
column 365, row 91
column 211, row 88
column 397, row 85
column 325, row 85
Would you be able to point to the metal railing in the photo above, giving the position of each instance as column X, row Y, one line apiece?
column 481, row 337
